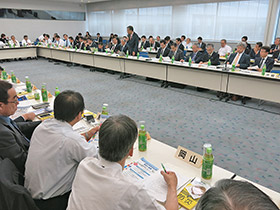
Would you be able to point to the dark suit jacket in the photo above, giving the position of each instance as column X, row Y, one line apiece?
column 115, row 49
column 144, row 44
column 179, row 55
column 269, row 63
column 81, row 46
column 164, row 53
column 244, row 60
column 99, row 40
column 181, row 47
column 199, row 57
column 122, row 48
column 156, row 45
column 248, row 49
column 12, row 144
column 214, row 58
column 101, row 49
column 253, row 55
column 132, row 43
column 203, row 46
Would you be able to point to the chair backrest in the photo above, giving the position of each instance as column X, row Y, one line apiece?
column 13, row 195
column 144, row 54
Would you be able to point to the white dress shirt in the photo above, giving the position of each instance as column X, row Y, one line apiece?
column 41, row 37
column 16, row 43
column 188, row 46
column 101, row 185
column 224, row 50
column 49, row 41
column 25, row 42
column 54, row 154
column 60, row 42
column 184, row 43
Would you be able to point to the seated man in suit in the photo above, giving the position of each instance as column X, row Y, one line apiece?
column 25, row 41
column 152, row 44
column 275, row 48
column 264, row 60
column 201, row 44
column 59, row 42
column 211, row 55
column 100, row 183
column 90, row 44
column 163, row 50
column 47, row 39
column 77, row 39
column 240, row 59
column 142, row 43
column 56, row 151
column 66, row 40
column 15, row 134
column 83, row 43
column 228, row 194
column 179, row 44
column 248, row 46
column 71, row 42
column 4, row 39
column 101, row 47
column 176, row 52
column 98, row 38
column 255, row 52
column 114, row 45
column 122, row 47
column 196, row 55
column 168, row 41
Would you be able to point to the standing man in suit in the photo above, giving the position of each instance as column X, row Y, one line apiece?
column 196, row 55
column 211, row 55
column 248, row 46
column 201, row 44
column 240, row 59
column 133, row 40
column 264, row 60
column 15, row 134
column 176, row 52
column 163, row 50
column 180, row 44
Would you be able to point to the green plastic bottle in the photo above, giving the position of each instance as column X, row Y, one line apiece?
column 207, row 163
column 56, row 91
column 4, row 75
column 190, row 61
column 13, row 77
column 85, row 48
column 226, row 56
column 76, row 48
column 209, row 62
column 138, row 55
column 44, row 93
column 233, row 67
column 28, row 85
column 10, row 45
column 105, row 113
column 151, row 48
column 160, row 58
column 142, row 139
column 172, row 59
column 127, row 53
column 264, row 69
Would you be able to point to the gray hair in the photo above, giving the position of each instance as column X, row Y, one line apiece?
column 210, row 45
column 195, row 44
column 231, row 194
column 242, row 44
column 116, row 137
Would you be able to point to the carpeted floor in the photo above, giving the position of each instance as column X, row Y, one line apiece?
column 245, row 139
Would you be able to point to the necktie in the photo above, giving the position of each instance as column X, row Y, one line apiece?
column 193, row 56
column 236, row 59
column 261, row 63
column 17, row 128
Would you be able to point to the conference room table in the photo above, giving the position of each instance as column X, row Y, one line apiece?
column 156, row 153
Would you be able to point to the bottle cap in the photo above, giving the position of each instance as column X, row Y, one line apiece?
column 104, row 107
column 26, row 77
column 142, row 127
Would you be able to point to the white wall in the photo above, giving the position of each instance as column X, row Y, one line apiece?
column 34, row 28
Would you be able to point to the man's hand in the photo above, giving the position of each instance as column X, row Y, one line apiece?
column 29, row 116
column 237, row 65
column 170, row 179
column 133, row 53
column 93, row 131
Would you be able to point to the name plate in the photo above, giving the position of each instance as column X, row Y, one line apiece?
column 189, row 156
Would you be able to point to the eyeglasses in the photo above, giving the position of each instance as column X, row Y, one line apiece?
column 13, row 102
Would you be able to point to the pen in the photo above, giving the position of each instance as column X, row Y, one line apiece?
column 163, row 168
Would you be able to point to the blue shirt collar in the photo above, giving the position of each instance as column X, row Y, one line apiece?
column 6, row 119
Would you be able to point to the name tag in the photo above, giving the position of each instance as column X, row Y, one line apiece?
column 189, row 156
